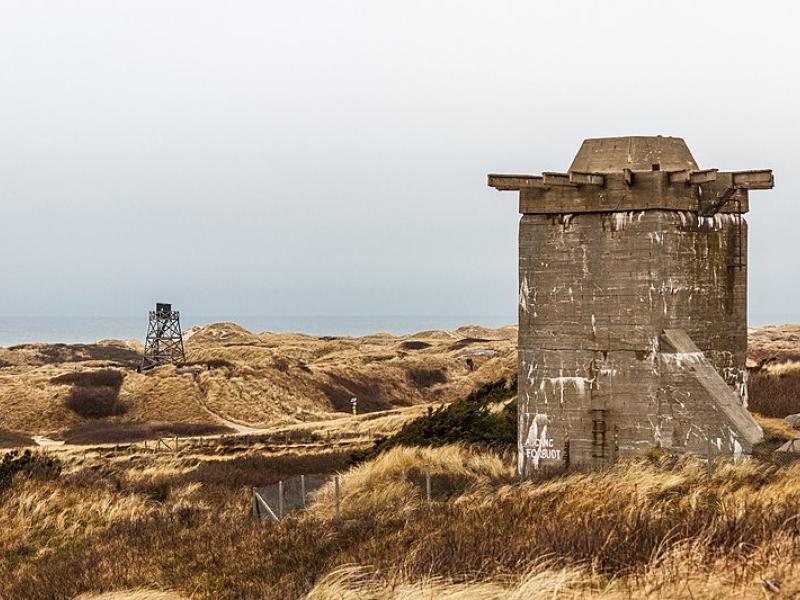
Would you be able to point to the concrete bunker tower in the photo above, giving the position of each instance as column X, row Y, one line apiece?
column 632, row 305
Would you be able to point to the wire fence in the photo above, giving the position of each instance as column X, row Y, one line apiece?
column 176, row 444
column 276, row 501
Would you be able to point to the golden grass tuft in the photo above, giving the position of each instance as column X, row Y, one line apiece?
column 394, row 481
column 141, row 594
column 363, row 583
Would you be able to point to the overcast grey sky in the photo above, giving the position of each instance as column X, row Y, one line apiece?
column 331, row 157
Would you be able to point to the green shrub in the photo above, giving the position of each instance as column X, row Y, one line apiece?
column 470, row 421
column 28, row 463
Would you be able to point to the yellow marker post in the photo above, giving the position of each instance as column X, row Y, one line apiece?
column 354, row 403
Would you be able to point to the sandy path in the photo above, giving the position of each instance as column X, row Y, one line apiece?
column 239, row 428
column 46, row 441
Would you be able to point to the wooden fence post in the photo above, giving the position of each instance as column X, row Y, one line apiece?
column 264, row 507
column 256, row 514
column 336, row 495
column 280, row 499
column 303, row 489
column 428, row 483
column 176, row 444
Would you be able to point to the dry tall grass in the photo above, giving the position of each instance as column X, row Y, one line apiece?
column 775, row 390
column 654, row 526
column 540, row 583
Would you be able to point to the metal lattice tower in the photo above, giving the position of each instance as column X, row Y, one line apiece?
column 164, row 343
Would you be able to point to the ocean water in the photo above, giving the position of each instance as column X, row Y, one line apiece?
column 72, row 330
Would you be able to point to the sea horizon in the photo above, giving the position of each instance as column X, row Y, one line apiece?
column 16, row 330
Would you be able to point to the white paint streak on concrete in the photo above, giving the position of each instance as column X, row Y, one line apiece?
column 561, row 382
column 520, row 444
column 537, row 438
column 524, row 292
column 683, row 358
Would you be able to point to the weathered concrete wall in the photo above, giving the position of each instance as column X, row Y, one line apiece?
column 699, row 411
column 632, row 305
column 596, row 292
column 638, row 153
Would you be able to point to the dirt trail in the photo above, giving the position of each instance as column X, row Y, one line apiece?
column 239, row 428
column 46, row 441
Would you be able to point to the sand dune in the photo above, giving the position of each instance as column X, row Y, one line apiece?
column 238, row 377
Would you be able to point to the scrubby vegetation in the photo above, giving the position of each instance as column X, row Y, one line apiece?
column 654, row 525
column 372, row 396
column 104, row 432
column 775, row 390
column 414, row 345
column 210, row 363
column 487, row 417
column 94, row 394
column 255, row 379
column 14, row 439
column 116, row 352
column 15, row 463
column 103, row 378
column 426, row 378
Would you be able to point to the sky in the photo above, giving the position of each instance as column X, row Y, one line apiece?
column 330, row 157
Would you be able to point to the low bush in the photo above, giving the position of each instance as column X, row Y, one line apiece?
column 26, row 463
column 473, row 420
column 94, row 394
column 426, row 378
column 414, row 345
column 464, row 342
column 95, row 403
column 774, row 394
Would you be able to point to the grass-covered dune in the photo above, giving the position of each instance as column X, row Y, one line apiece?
column 653, row 526
column 82, row 393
